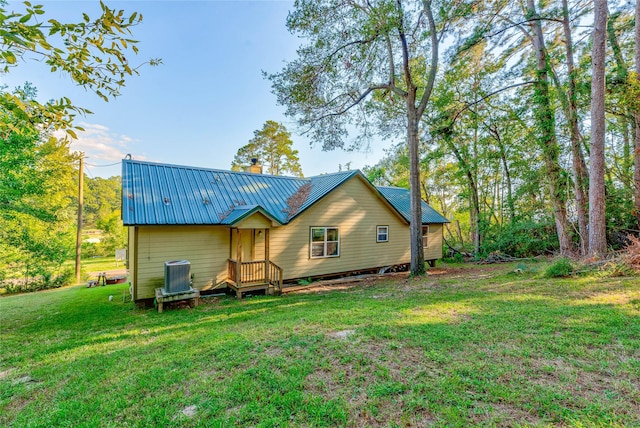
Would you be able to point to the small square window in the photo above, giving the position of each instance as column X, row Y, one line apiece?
column 382, row 234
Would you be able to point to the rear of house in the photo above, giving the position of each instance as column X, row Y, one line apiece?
column 252, row 231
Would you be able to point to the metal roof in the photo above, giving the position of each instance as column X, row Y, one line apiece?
column 155, row 193
column 401, row 200
column 163, row 194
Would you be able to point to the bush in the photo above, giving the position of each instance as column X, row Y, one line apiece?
column 45, row 281
column 454, row 258
column 560, row 268
column 66, row 277
column 524, row 238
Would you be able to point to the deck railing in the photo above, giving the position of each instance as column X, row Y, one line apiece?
column 255, row 272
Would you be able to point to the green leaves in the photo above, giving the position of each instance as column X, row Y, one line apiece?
column 9, row 57
column 36, row 182
column 93, row 53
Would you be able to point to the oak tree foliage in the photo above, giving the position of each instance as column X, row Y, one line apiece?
column 368, row 66
column 93, row 52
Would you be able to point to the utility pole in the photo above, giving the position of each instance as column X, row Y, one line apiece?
column 79, row 231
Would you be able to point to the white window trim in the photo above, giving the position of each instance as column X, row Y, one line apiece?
column 378, row 233
column 425, row 234
column 325, row 242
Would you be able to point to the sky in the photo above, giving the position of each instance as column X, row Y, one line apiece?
column 206, row 99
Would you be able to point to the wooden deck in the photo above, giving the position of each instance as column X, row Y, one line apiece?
column 253, row 276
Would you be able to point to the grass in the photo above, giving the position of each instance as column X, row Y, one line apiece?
column 99, row 264
column 94, row 264
column 474, row 346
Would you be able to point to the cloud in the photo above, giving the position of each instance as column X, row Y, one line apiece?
column 101, row 145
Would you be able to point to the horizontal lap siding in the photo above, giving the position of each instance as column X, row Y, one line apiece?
column 356, row 210
column 206, row 248
column 256, row 221
column 434, row 250
column 131, row 256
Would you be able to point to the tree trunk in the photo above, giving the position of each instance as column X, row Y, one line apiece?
column 627, row 160
column 545, row 121
column 636, row 151
column 597, row 226
column 580, row 174
column 474, row 209
column 505, row 166
column 474, row 172
column 417, row 251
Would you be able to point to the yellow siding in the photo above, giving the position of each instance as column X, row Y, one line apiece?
column 255, row 221
column 434, row 250
column 206, row 247
column 356, row 210
column 131, row 257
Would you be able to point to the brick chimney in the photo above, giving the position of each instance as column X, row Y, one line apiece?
column 255, row 167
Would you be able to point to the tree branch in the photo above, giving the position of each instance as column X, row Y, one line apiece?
column 349, row 107
column 519, row 25
column 478, row 101
column 392, row 71
column 355, row 42
column 405, row 48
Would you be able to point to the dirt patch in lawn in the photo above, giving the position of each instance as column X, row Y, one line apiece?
column 343, row 283
column 473, row 272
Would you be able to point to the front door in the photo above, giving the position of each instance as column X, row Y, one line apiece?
column 248, row 246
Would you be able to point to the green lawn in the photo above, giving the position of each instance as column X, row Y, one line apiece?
column 474, row 346
column 99, row 264
column 94, row 264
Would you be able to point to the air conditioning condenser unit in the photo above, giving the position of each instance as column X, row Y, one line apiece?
column 177, row 276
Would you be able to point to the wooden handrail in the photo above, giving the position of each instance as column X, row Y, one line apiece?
column 254, row 272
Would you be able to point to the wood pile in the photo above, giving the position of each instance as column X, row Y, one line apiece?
column 498, row 258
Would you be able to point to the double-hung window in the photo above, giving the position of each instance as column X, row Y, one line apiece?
column 325, row 242
column 382, row 234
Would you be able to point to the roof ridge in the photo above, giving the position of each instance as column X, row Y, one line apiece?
column 215, row 170
column 391, row 187
column 349, row 172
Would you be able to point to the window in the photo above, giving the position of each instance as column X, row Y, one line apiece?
column 325, row 242
column 382, row 234
column 425, row 236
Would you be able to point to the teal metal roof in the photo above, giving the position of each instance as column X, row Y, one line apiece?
column 163, row 194
column 400, row 199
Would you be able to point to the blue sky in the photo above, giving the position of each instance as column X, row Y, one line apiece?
column 207, row 98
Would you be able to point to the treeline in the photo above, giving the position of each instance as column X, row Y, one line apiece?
column 39, row 201
column 506, row 147
column 38, row 172
column 102, row 202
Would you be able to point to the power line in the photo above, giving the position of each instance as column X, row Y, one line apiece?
column 101, row 166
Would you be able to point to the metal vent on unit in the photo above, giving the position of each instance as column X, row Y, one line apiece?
column 177, row 276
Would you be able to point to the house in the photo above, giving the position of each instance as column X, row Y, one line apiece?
column 253, row 231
